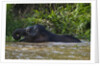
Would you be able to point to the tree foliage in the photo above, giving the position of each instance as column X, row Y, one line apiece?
column 68, row 18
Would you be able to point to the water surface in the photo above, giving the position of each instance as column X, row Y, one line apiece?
column 48, row 50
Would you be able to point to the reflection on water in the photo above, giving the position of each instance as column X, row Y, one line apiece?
column 48, row 50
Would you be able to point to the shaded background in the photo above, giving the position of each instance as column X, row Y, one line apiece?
column 71, row 19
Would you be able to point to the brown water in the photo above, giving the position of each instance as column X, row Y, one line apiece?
column 48, row 50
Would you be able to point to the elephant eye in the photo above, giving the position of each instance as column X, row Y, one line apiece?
column 30, row 30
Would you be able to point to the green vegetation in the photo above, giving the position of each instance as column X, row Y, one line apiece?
column 72, row 19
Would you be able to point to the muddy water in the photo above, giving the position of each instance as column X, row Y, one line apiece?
column 48, row 50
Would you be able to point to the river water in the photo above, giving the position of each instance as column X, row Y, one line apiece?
column 48, row 51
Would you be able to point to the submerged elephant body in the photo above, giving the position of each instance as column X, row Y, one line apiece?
column 38, row 33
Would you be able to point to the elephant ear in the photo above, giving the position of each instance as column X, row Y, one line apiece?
column 17, row 34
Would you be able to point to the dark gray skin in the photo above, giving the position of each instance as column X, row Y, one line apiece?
column 18, row 33
column 38, row 33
